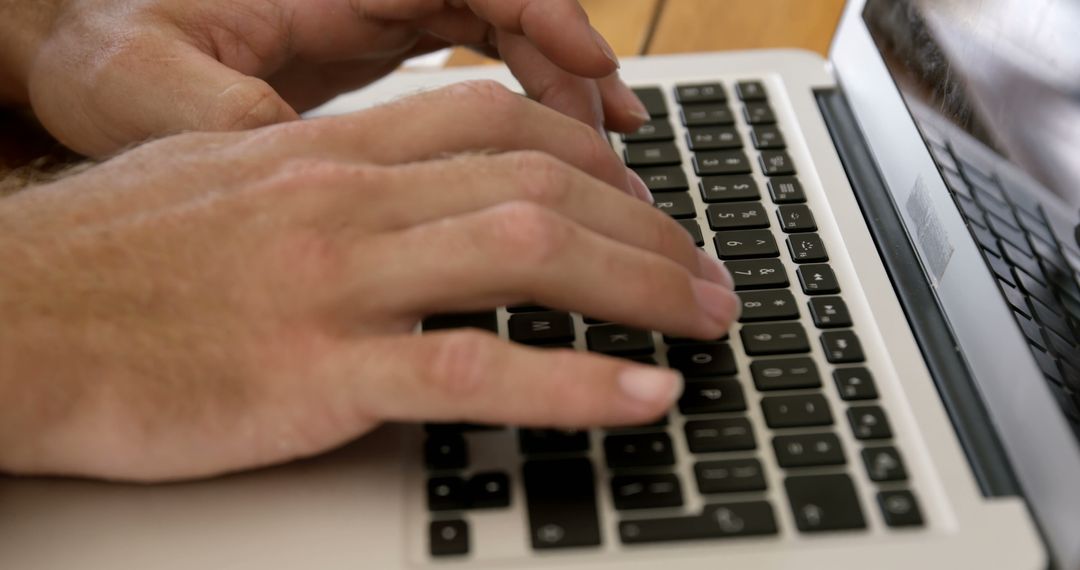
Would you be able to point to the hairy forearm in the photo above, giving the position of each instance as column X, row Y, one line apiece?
column 23, row 26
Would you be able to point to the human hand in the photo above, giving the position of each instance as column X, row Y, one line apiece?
column 218, row 301
column 108, row 73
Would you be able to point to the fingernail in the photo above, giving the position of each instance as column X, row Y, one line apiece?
column 715, row 271
column 638, row 186
column 651, row 385
column 605, row 47
column 634, row 106
column 718, row 302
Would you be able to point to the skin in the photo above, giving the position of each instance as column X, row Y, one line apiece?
column 211, row 302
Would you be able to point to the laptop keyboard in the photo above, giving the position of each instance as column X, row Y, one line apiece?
column 794, row 344
column 1035, row 277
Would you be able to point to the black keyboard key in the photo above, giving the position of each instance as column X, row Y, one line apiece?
column 1049, row 318
column 700, row 93
column 869, row 422
column 618, row 340
column 779, row 338
column 552, row 327
column 707, row 115
column 767, row 137
column 663, row 178
column 1035, row 289
column 776, row 163
column 652, row 131
column 900, row 508
column 526, row 308
column 446, row 451
column 630, row 492
column 561, row 497
column 1015, row 298
column 638, row 450
column 785, row 374
column 692, row 228
column 737, row 216
column 1000, row 267
column 796, row 218
column 829, row 312
column 786, row 190
column 808, row 450
column 489, row 490
column 884, row 464
column 653, row 99
column 729, row 188
column 842, row 347
column 540, row 441
column 1009, row 234
column 697, row 360
column 729, row 476
column 796, row 411
column 757, row 274
column 817, row 279
column 751, row 91
column 1027, row 262
column 651, row 154
column 855, row 383
column 447, row 494
column 676, row 205
column 776, row 305
column 758, row 114
column 806, row 248
column 717, row 521
column 824, row 503
column 713, row 138
column 745, row 244
column 448, row 538
column 717, row 436
column 712, row 396
column 721, row 162
column 486, row 320
column 457, row 428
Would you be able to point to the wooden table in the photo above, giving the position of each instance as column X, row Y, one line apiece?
column 633, row 27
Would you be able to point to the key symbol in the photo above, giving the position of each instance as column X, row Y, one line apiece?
column 541, row 326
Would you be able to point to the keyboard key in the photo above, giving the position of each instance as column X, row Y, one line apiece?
column 1050, row 318
column 541, row 328
column 869, row 422
column 729, row 476
column 758, row 113
column 777, row 305
column 855, row 383
column 714, row 436
column 757, row 274
column 717, row 521
column 663, row 178
column 697, row 360
column 737, row 216
column 776, row 163
column 490, row 490
column 808, row 450
column 729, row 188
column 446, row 451
column 638, row 450
column 540, row 441
column 817, row 279
column 675, row 205
column 899, row 508
column 751, row 91
column 651, row 154
column 692, row 227
column 745, row 244
column 707, row 115
column 1021, row 260
column 785, row 374
column 712, row 396
column 842, row 347
column 485, row 320
column 618, row 340
column 526, row 308
column 796, row 411
column 796, row 218
column 447, row 494
column 884, row 464
column 824, row 503
column 646, row 491
column 561, row 497
column 1012, row 235
column 700, row 93
column 713, row 138
column 829, row 312
column 721, row 162
column 786, row 190
column 448, row 538
column 806, row 248
column 779, row 338
column 457, row 428
column 767, row 137
column 652, row 131
column 653, row 99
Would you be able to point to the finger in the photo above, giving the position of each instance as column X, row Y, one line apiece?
column 519, row 251
column 623, row 111
column 474, row 377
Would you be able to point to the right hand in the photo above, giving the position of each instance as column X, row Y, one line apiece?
column 214, row 302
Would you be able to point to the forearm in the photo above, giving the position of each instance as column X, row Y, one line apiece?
column 23, row 26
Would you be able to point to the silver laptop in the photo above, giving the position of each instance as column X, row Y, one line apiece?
column 901, row 391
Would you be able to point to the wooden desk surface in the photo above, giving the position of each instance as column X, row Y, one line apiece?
column 633, row 27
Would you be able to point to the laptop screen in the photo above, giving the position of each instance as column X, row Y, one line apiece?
column 1005, row 71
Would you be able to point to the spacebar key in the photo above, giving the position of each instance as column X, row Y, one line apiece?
column 561, row 496
column 717, row 521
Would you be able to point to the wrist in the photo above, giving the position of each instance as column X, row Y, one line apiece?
column 24, row 25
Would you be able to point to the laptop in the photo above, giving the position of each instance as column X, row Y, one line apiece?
column 901, row 391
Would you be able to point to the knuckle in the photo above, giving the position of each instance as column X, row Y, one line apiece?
column 247, row 104
column 488, row 97
column 460, row 364
column 529, row 233
column 541, row 177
